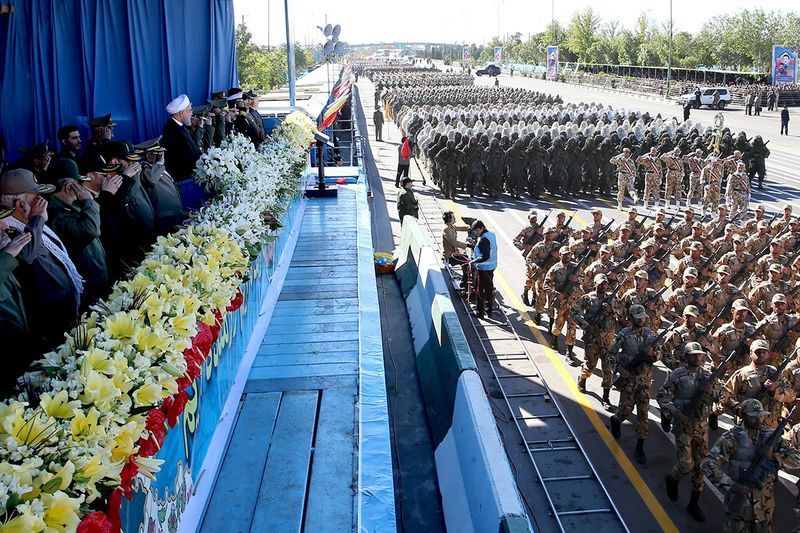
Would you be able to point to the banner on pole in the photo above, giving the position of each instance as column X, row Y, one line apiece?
column 552, row 62
column 784, row 65
column 466, row 54
column 498, row 54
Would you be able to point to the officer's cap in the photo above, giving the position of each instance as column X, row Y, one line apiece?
column 102, row 121
column 150, row 145
column 637, row 311
column 691, row 310
column 694, row 347
column 752, row 407
column 779, row 298
column 38, row 150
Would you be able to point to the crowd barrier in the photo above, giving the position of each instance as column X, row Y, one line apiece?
column 478, row 489
column 193, row 450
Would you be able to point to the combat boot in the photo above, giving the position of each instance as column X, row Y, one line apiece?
column 672, row 487
column 571, row 356
column 638, row 452
column 694, row 507
column 582, row 385
column 615, row 427
column 712, row 421
column 606, row 400
column 525, row 299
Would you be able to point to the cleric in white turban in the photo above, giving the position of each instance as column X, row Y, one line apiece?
column 181, row 151
column 178, row 104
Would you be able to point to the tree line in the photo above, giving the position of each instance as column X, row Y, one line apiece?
column 265, row 68
column 741, row 41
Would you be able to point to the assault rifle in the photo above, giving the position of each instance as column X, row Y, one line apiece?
column 772, row 376
column 589, row 330
column 756, row 474
column 565, row 285
column 701, row 398
column 596, row 240
column 640, row 358
column 737, row 352
column 561, row 236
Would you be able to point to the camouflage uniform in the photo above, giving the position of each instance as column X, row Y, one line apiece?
column 626, row 171
column 696, row 165
column 729, row 459
column 761, row 296
column 760, row 272
column 674, row 347
column 674, row 177
column 654, row 306
column 652, row 177
column 728, row 337
column 527, row 237
column 635, row 389
column 596, row 267
column 555, row 279
column 712, row 180
column 780, row 329
column 746, row 383
column 757, row 241
column 538, row 261
column 691, row 437
column 599, row 340
column 737, row 193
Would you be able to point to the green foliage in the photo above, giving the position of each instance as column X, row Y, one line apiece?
column 741, row 41
column 264, row 69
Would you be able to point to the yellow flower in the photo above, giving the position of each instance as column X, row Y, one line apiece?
column 148, row 466
column 9, row 416
column 150, row 341
column 148, row 394
column 125, row 440
column 61, row 511
column 59, row 406
column 22, row 523
column 99, row 360
column 184, row 325
column 98, row 389
column 120, row 326
column 85, row 423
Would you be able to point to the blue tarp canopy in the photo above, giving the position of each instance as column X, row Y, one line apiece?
column 63, row 61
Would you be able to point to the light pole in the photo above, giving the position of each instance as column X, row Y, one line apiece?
column 289, row 55
column 669, row 58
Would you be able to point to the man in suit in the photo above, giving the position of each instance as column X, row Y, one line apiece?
column 785, row 120
column 182, row 152
column 252, row 102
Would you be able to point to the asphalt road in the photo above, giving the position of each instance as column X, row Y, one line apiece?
column 638, row 491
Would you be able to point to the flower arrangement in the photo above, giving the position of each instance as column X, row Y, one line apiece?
column 118, row 383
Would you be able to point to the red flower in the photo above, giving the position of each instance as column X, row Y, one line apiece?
column 155, row 424
column 184, row 382
column 114, row 504
column 129, row 471
column 204, row 339
column 237, row 301
column 96, row 522
column 147, row 447
column 177, row 407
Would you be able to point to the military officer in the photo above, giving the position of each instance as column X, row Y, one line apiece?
column 562, row 282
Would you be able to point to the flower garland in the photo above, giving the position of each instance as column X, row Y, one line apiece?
column 117, row 384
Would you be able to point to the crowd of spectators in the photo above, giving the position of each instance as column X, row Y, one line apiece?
column 74, row 222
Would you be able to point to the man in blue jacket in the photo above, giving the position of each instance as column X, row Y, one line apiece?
column 484, row 260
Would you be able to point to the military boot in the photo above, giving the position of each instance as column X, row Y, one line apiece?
column 638, row 452
column 571, row 356
column 616, row 428
column 712, row 421
column 606, row 400
column 672, row 487
column 525, row 299
column 582, row 385
column 694, row 507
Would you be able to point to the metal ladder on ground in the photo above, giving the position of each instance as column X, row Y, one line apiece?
column 577, row 498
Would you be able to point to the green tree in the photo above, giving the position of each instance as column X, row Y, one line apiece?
column 582, row 35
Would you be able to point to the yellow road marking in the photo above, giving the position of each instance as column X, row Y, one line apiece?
column 564, row 208
column 630, row 470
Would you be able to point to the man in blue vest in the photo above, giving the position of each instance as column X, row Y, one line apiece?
column 484, row 260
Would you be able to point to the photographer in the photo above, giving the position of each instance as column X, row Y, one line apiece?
column 453, row 247
column 484, row 260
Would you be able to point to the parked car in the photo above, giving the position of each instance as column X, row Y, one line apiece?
column 488, row 70
column 707, row 97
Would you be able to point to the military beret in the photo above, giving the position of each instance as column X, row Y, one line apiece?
column 102, row 121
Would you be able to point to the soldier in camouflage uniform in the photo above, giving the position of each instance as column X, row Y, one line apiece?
column 775, row 257
column 718, row 299
column 602, row 265
column 539, row 260
column 641, row 294
column 737, row 192
column 782, row 223
column 731, row 456
column 759, row 239
column 738, row 260
column 562, row 283
column 494, row 169
column 696, row 162
column 675, row 342
column 634, row 341
column 780, row 329
column 594, row 314
column 530, row 234
column 730, row 336
column 626, row 172
column 711, row 178
column 684, row 227
column 747, row 382
column 691, row 434
column 761, row 295
column 674, row 176
column 652, row 176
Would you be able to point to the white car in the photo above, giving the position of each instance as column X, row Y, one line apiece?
column 707, row 97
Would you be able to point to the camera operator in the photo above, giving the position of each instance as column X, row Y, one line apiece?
column 452, row 247
column 484, row 260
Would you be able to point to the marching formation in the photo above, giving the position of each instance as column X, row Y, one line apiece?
column 705, row 290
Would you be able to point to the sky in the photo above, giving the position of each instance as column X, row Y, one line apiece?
column 473, row 21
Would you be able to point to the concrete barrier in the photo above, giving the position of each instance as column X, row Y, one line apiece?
column 478, row 490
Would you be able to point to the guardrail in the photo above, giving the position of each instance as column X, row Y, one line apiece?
column 475, row 479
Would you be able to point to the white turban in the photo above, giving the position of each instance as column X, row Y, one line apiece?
column 178, row 104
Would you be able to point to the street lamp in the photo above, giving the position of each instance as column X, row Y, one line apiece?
column 669, row 58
